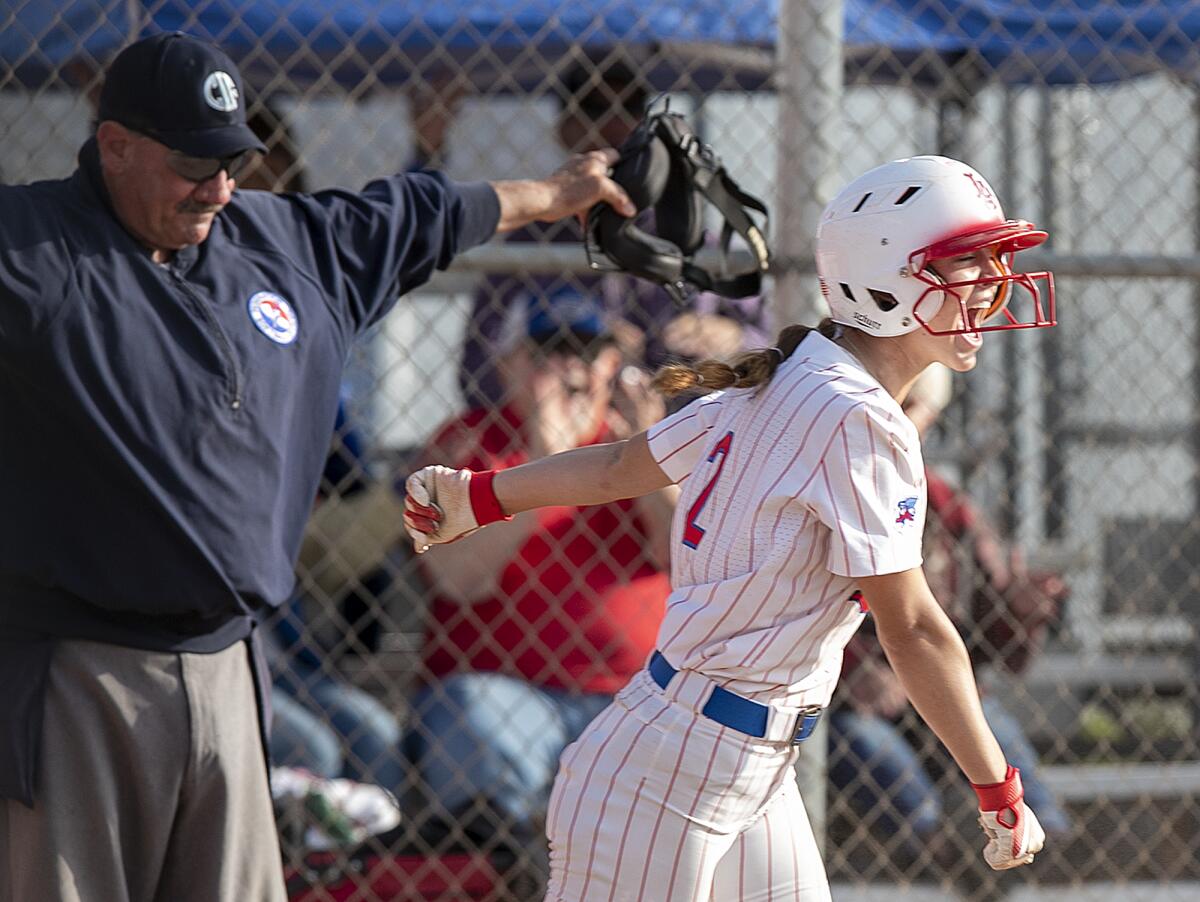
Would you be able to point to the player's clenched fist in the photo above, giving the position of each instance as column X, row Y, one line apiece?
column 442, row 505
column 1013, row 832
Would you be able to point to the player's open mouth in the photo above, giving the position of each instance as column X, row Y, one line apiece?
column 974, row 316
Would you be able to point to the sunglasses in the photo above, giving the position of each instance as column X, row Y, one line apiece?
column 201, row 169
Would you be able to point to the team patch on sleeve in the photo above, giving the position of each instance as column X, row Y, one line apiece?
column 907, row 511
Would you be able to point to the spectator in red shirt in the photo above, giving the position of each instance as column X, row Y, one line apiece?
column 533, row 628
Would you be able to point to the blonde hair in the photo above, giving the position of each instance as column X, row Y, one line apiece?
column 743, row 371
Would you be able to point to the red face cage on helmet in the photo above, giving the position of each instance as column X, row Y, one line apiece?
column 1006, row 238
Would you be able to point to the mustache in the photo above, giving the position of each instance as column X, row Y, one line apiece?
column 190, row 206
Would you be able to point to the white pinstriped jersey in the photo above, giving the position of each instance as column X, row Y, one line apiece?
column 790, row 492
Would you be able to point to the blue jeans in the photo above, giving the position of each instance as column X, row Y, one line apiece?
column 334, row 728
column 871, row 759
column 486, row 746
column 299, row 738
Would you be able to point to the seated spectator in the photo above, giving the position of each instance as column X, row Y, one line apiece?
column 322, row 722
column 533, row 628
column 1003, row 611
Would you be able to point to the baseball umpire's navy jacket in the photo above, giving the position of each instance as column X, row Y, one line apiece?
column 163, row 427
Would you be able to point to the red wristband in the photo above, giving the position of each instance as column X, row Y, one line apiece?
column 998, row 796
column 484, row 504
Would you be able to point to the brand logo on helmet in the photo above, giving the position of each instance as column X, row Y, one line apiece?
column 273, row 317
column 864, row 320
column 985, row 193
column 220, row 92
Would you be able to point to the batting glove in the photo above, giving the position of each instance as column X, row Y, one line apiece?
column 1013, row 832
column 442, row 505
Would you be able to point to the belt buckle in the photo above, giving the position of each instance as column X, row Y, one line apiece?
column 806, row 722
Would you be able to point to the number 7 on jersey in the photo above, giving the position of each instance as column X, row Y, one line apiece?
column 693, row 532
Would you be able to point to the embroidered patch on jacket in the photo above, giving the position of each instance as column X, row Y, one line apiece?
column 273, row 317
column 908, row 510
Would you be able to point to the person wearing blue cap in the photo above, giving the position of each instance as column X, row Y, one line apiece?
column 170, row 358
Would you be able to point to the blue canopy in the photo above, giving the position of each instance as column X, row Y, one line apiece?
column 511, row 44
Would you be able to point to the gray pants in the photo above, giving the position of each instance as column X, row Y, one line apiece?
column 151, row 784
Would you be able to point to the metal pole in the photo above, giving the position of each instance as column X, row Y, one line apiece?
column 1013, row 451
column 808, row 83
column 1053, row 410
column 808, row 88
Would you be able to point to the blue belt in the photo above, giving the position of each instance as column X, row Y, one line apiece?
column 732, row 710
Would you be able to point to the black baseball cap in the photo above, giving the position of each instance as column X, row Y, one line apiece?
column 181, row 91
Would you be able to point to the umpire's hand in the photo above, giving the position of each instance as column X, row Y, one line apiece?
column 577, row 186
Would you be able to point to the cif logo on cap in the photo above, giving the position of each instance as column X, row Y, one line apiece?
column 220, row 92
column 273, row 317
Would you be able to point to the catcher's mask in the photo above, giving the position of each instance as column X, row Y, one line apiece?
column 665, row 166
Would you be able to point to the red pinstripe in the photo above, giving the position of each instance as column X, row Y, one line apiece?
column 742, row 866
column 826, row 599
column 858, row 507
column 691, row 811
column 737, row 769
column 662, row 811
column 819, row 631
column 796, row 870
column 757, row 650
column 675, row 425
column 708, row 558
column 770, row 845
column 769, row 595
column 608, row 793
column 637, row 800
column 760, row 435
column 837, row 518
column 598, row 754
column 686, row 444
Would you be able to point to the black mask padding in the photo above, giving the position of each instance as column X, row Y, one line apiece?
column 679, row 211
column 644, row 176
column 665, row 167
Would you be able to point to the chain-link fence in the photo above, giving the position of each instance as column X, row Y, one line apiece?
column 1064, row 539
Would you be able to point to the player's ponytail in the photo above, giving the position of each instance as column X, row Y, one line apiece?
column 744, row 371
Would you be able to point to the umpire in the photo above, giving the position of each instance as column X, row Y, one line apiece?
column 170, row 354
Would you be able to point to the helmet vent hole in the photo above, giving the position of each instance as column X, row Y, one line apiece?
column 859, row 205
column 848, row 293
column 907, row 195
column 885, row 299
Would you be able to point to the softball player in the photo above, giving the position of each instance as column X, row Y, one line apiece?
column 803, row 503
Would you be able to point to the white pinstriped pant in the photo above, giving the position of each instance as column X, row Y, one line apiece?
column 657, row 803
